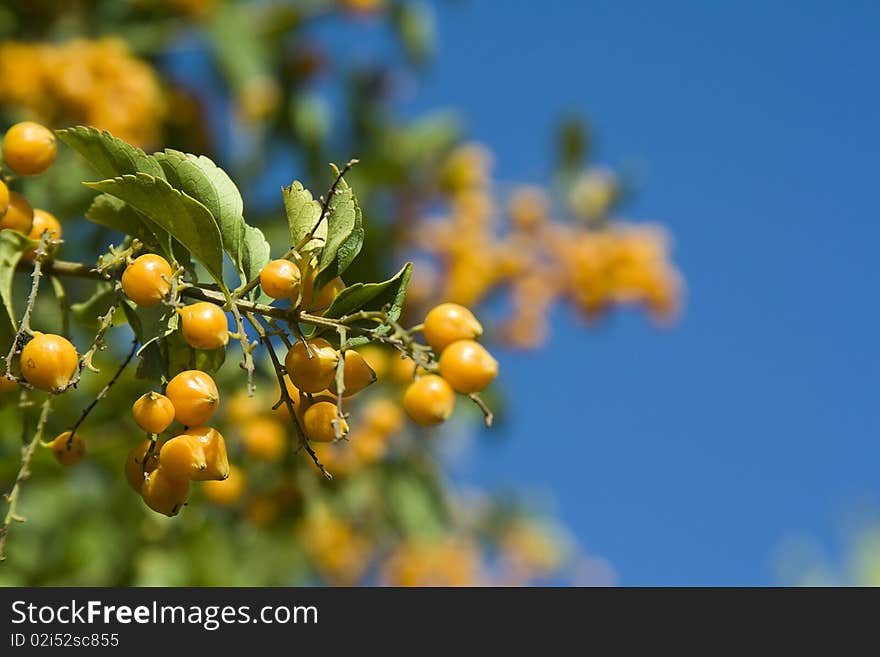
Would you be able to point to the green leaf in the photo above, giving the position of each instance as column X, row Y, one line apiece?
column 108, row 155
column 207, row 183
column 152, row 363
column 190, row 222
column 255, row 252
column 13, row 245
column 111, row 212
column 150, row 324
column 371, row 296
column 345, row 234
column 302, row 213
column 183, row 357
column 88, row 311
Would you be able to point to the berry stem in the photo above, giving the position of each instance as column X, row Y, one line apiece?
column 103, row 393
column 285, row 396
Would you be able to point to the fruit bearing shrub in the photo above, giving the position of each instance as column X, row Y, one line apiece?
column 182, row 215
column 206, row 386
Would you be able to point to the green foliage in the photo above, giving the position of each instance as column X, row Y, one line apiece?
column 150, row 324
column 388, row 295
column 345, row 236
column 190, row 222
column 13, row 245
column 303, row 212
column 108, row 155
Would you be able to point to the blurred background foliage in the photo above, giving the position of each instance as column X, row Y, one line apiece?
column 259, row 87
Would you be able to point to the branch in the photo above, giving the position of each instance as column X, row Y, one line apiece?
column 285, row 396
column 27, row 453
column 104, row 391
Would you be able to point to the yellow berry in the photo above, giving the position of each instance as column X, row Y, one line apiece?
column 44, row 222
column 357, row 375
column 449, row 322
column 467, row 366
column 195, row 397
column 383, row 416
column 163, row 493
column 182, row 456
column 68, row 450
column 214, row 447
column 137, row 465
column 315, row 373
column 4, row 198
column 204, row 326
column 318, row 422
column 280, row 279
column 429, row 400
column 29, row 148
column 48, row 362
column 153, row 412
column 147, row 280
column 19, row 214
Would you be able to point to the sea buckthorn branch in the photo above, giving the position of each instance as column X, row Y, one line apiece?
column 341, row 415
column 285, row 396
column 105, row 322
column 325, row 207
column 247, row 348
column 27, row 453
column 24, row 327
column 294, row 251
column 103, row 393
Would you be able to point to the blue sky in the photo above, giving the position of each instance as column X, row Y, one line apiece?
column 696, row 452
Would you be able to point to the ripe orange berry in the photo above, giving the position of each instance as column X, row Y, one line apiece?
column 195, row 397
column 377, row 359
column 19, row 214
column 280, row 279
column 429, row 400
column 317, row 303
column 147, row 280
column 153, row 412
column 204, row 326
column 318, row 422
column 228, row 491
column 449, row 322
column 383, row 416
column 43, row 222
column 48, row 362
column 214, row 448
column 4, row 198
column 403, row 370
column 29, row 148
column 135, row 467
column 467, row 366
column 357, row 375
column 242, row 408
column 369, row 445
column 67, row 450
column 312, row 374
column 263, row 438
column 163, row 493
column 182, row 457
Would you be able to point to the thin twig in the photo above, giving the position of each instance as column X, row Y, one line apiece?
column 104, row 391
column 285, row 396
column 27, row 453
column 24, row 327
column 488, row 416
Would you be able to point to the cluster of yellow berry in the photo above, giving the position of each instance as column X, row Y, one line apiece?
column 96, row 82
column 464, row 365
column 162, row 472
column 48, row 362
column 595, row 263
